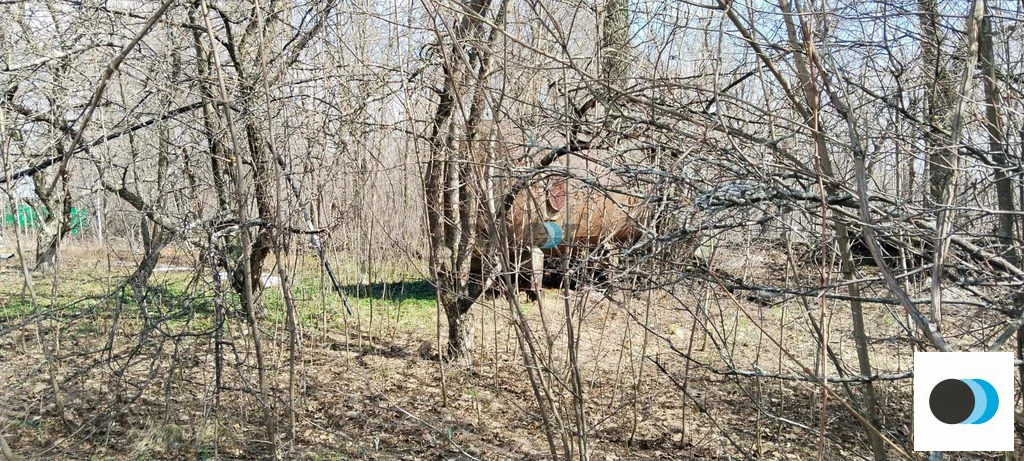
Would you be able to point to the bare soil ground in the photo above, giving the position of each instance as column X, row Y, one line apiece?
column 367, row 389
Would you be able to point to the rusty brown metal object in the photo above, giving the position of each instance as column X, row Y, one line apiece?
column 589, row 217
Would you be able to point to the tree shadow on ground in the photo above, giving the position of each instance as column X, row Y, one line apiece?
column 414, row 290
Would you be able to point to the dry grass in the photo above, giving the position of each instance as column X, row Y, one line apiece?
column 366, row 391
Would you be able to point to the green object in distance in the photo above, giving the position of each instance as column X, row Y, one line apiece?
column 25, row 217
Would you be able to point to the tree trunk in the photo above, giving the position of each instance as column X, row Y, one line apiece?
column 451, row 182
column 460, row 331
column 812, row 97
column 46, row 248
column 46, row 253
column 997, row 143
column 939, row 100
column 615, row 41
column 938, row 105
column 860, row 340
column 997, row 147
column 53, row 218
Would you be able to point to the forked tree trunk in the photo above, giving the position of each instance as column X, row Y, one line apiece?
column 451, row 180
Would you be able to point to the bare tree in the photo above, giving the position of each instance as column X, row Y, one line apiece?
column 714, row 208
column 452, row 177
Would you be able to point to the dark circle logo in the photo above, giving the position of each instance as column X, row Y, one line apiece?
column 964, row 401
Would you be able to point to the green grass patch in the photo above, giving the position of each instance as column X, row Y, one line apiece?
column 14, row 307
column 409, row 301
column 179, row 303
